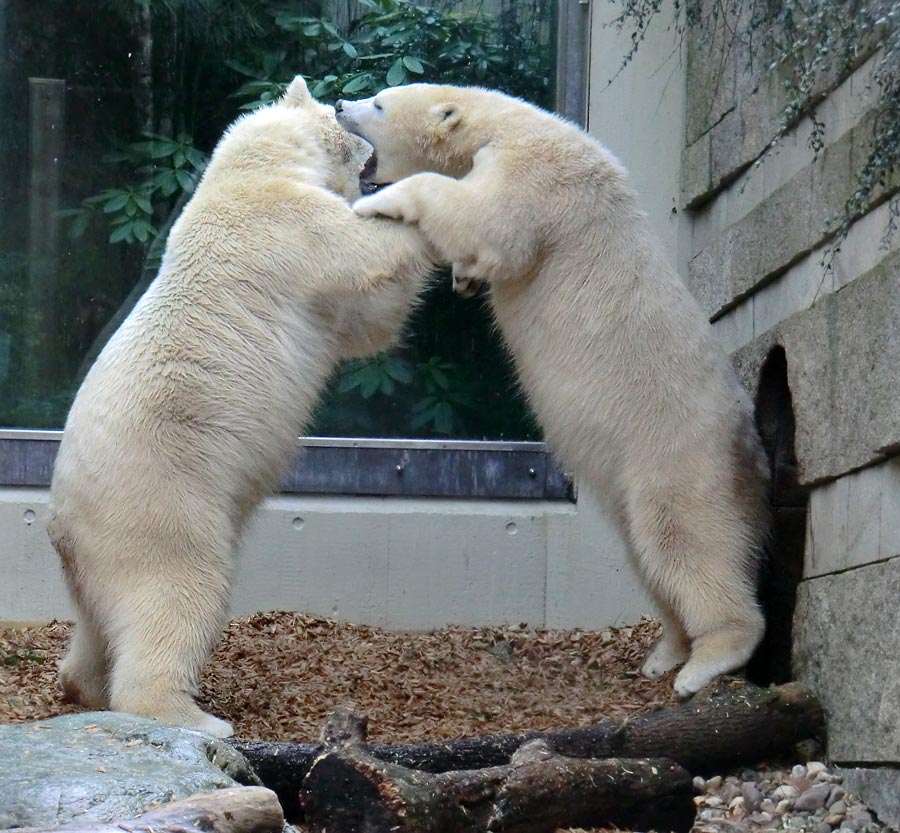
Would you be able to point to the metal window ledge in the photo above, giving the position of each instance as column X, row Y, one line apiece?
column 371, row 467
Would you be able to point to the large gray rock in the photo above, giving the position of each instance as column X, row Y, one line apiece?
column 879, row 788
column 102, row 766
column 847, row 649
column 843, row 373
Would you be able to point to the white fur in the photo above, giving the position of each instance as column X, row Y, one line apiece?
column 190, row 414
column 633, row 391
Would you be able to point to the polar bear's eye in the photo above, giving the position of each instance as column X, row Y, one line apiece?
column 377, row 106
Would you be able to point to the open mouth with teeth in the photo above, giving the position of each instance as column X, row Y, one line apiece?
column 367, row 175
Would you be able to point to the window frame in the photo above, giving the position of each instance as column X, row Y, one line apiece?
column 357, row 467
column 349, row 466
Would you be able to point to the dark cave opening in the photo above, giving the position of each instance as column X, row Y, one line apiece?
column 783, row 567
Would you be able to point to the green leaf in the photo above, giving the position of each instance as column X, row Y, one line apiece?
column 179, row 158
column 166, row 182
column 196, row 158
column 243, row 69
column 396, row 74
column 354, row 374
column 116, row 203
column 156, row 149
column 79, row 226
column 320, row 89
column 413, row 64
column 347, row 384
column 399, row 370
column 118, row 156
column 143, row 203
column 440, row 378
column 350, row 49
column 369, row 386
column 123, row 232
column 356, row 84
column 425, row 403
column 417, row 421
column 444, row 418
column 184, row 180
column 142, row 230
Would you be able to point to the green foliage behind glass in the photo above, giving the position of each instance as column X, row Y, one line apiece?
column 398, row 42
column 146, row 126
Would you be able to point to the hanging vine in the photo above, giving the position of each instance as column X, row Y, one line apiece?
column 813, row 45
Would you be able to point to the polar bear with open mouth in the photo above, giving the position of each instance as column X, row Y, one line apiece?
column 634, row 393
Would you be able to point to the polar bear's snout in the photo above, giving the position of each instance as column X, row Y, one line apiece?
column 344, row 113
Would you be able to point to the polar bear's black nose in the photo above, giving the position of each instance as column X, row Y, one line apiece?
column 339, row 106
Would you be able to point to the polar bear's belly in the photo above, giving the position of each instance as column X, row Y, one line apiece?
column 576, row 397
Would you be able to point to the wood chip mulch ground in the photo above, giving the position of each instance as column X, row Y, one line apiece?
column 276, row 675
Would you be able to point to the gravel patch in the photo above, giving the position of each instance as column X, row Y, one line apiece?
column 807, row 798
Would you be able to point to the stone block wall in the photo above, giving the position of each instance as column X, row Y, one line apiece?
column 759, row 232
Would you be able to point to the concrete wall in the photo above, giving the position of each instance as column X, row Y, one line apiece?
column 399, row 563
column 759, row 232
column 639, row 114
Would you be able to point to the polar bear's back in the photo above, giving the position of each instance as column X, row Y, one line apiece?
column 615, row 353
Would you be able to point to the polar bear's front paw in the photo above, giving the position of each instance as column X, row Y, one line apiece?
column 466, row 280
column 391, row 202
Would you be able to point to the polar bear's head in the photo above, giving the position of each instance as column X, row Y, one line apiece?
column 300, row 133
column 413, row 128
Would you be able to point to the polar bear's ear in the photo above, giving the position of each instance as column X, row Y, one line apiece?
column 446, row 117
column 297, row 93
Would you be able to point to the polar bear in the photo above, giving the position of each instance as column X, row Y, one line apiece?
column 191, row 412
column 633, row 391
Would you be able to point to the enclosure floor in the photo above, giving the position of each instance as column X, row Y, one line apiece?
column 275, row 676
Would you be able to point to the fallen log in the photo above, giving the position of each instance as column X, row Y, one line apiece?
column 742, row 725
column 237, row 810
column 348, row 790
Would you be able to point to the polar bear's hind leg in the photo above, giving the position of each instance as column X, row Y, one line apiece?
column 671, row 649
column 164, row 623
column 701, row 570
column 83, row 672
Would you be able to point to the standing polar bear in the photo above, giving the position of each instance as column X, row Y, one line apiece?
column 633, row 392
column 191, row 413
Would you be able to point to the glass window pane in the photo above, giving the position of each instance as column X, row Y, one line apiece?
column 110, row 109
